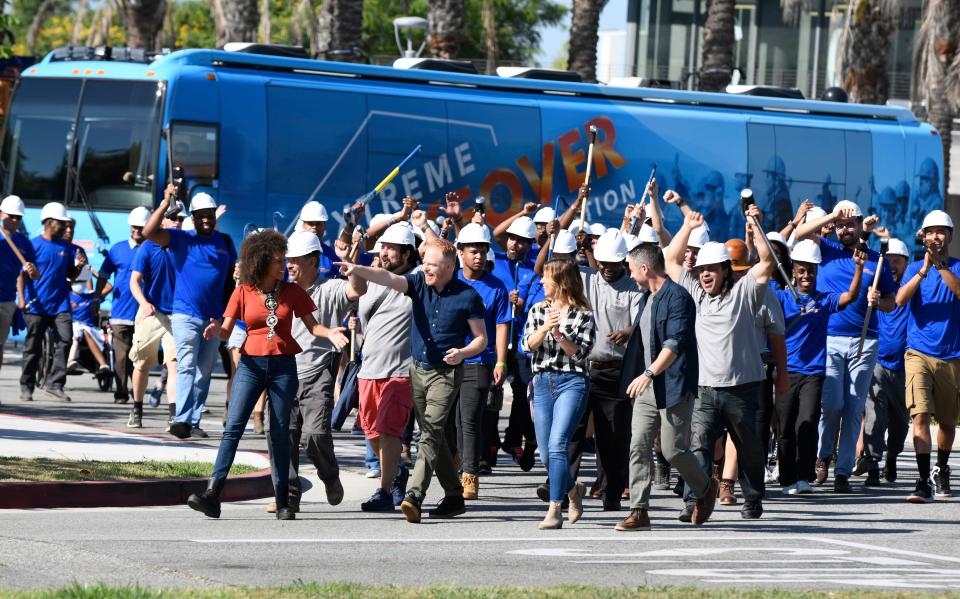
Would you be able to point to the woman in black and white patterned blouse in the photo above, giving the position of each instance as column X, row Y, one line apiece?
column 559, row 335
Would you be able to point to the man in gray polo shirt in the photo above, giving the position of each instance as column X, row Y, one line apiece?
column 731, row 369
column 316, row 366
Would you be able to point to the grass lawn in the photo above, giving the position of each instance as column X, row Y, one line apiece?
column 355, row 591
column 45, row 469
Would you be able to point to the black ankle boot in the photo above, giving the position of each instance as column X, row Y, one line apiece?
column 284, row 512
column 209, row 501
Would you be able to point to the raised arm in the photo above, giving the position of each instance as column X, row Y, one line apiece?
column 500, row 231
column 762, row 270
column 673, row 255
column 153, row 229
column 792, row 226
column 566, row 219
column 370, row 274
column 853, row 292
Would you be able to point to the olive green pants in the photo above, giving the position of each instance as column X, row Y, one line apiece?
column 434, row 394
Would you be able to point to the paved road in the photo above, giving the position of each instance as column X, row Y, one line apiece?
column 864, row 540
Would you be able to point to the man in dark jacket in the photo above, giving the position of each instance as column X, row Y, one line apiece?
column 663, row 350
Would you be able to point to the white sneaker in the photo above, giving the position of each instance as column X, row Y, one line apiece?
column 772, row 474
column 373, row 474
column 804, row 488
column 790, row 490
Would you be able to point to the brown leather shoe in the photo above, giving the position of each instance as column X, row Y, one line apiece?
column 471, row 485
column 258, row 423
column 704, row 506
column 635, row 520
column 726, row 492
column 822, row 468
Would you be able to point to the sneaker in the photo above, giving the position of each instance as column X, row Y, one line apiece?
column 135, row 420
column 380, row 501
column 922, row 493
column 334, row 491
column 449, row 506
column 822, row 469
column 180, row 430
column 841, row 484
column 198, row 432
column 373, row 474
column 791, row 490
column 726, row 493
column 941, row 482
column 873, row 478
column 56, row 393
column 890, row 470
column 400, row 485
column 751, row 511
column 804, row 488
column 636, row 520
column 155, row 394
column 686, row 514
column 862, row 465
column 410, row 507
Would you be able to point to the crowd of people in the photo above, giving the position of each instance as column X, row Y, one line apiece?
column 748, row 362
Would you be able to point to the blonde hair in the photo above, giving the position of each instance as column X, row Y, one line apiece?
column 565, row 275
column 446, row 248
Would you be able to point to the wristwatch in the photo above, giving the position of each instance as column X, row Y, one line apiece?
column 648, row 373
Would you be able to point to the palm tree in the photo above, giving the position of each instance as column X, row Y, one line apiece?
column 490, row 36
column 37, row 23
column 340, row 30
column 143, row 21
column 240, row 19
column 936, row 70
column 582, row 54
column 446, row 27
column 866, row 49
column 718, row 44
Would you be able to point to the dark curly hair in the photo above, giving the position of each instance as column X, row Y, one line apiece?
column 257, row 252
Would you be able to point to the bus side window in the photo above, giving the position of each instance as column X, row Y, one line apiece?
column 195, row 148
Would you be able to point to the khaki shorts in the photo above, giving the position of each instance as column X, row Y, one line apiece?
column 150, row 334
column 933, row 386
column 7, row 312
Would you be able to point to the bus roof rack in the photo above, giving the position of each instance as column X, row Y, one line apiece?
column 267, row 49
column 538, row 73
column 769, row 91
column 436, row 64
column 112, row 53
column 643, row 82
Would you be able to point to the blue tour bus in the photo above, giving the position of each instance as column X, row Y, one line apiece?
column 266, row 133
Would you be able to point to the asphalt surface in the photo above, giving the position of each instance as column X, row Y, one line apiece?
column 870, row 539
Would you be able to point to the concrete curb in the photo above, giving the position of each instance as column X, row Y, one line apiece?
column 128, row 493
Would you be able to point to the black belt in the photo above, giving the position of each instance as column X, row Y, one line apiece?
column 609, row 365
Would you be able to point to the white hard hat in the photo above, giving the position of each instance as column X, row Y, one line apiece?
column 814, row 213
column 632, row 241
column 523, row 227
column 596, row 229
column 378, row 218
column 776, row 236
column 302, row 243
column 399, row 233
column 12, row 205
column 376, row 248
column 712, row 252
column 544, row 215
column 898, row 248
column 202, row 201
column 577, row 226
column 848, row 205
column 611, row 247
column 699, row 237
column 473, row 233
column 54, row 210
column 807, row 250
column 937, row 218
column 187, row 224
column 313, row 212
column 565, row 243
column 138, row 217
column 647, row 235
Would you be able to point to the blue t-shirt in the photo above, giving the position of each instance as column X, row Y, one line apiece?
column 836, row 272
column 119, row 262
column 159, row 273
column 496, row 301
column 10, row 266
column 933, row 327
column 515, row 276
column 201, row 262
column 440, row 319
column 806, row 336
column 50, row 294
column 82, row 308
column 893, row 337
column 325, row 267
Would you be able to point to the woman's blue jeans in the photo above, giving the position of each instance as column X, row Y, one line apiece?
column 559, row 399
column 278, row 375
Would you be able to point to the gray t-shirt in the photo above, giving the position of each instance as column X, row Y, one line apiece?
column 646, row 318
column 386, row 333
column 330, row 296
column 615, row 306
column 728, row 344
column 770, row 321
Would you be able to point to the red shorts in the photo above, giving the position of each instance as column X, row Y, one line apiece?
column 385, row 406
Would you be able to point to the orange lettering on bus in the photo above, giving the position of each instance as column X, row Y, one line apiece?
column 572, row 159
column 507, row 178
column 542, row 187
column 603, row 150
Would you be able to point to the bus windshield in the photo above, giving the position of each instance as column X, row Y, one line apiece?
column 106, row 130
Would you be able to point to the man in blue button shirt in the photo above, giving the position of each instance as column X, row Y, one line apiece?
column 123, row 306
column 445, row 312
column 47, row 304
column 847, row 374
column 11, row 213
column 203, row 259
column 931, row 291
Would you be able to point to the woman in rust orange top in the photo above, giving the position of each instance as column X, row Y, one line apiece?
column 268, row 306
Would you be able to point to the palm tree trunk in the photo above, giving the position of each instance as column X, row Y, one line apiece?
column 101, row 29
column 340, row 30
column 94, row 25
column 582, row 55
column 313, row 25
column 143, row 20
column 37, row 23
column 446, row 27
column 265, row 21
column 866, row 51
column 490, row 36
column 241, row 18
column 718, row 43
column 78, row 22
column 219, row 22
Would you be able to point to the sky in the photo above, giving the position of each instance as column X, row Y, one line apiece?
column 614, row 16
